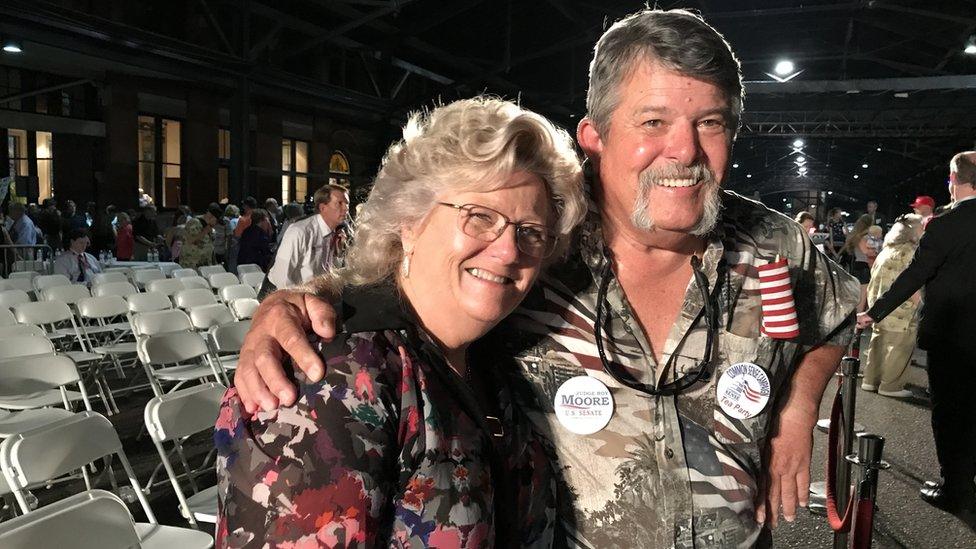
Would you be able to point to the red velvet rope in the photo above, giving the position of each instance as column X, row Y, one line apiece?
column 863, row 524
column 837, row 523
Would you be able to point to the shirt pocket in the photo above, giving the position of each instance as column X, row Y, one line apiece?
column 734, row 349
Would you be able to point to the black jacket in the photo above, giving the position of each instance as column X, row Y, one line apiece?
column 945, row 263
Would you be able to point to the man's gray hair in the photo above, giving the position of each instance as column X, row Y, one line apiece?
column 964, row 166
column 676, row 39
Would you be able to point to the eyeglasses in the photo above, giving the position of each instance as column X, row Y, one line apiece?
column 486, row 225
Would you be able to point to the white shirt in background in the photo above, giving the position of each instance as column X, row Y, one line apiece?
column 303, row 253
column 67, row 265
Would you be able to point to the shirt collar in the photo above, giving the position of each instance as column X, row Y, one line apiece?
column 321, row 224
column 373, row 308
column 958, row 202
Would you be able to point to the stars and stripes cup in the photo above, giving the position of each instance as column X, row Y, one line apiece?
column 778, row 308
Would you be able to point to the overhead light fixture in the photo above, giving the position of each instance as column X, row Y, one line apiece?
column 865, row 166
column 878, row 149
column 800, row 160
column 12, row 46
column 798, row 143
column 971, row 45
column 830, row 192
column 736, row 165
column 784, row 67
column 748, row 176
column 856, row 176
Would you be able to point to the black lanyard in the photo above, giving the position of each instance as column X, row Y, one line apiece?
column 711, row 320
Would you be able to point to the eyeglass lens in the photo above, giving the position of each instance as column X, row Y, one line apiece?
column 487, row 225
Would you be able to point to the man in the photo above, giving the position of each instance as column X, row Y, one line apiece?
column 146, row 233
column 49, row 221
column 667, row 261
column 23, row 232
column 944, row 264
column 76, row 263
column 274, row 212
column 309, row 247
column 872, row 210
column 925, row 207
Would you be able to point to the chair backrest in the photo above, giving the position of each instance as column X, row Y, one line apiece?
column 48, row 281
column 168, row 286
column 105, row 306
column 184, row 412
column 183, row 273
column 20, row 330
column 62, row 446
column 94, row 519
column 106, row 277
column 6, row 317
column 43, row 312
column 244, row 307
column 207, row 270
column 148, row 302
column 172, row 348
column 22, row 284
column 219, row 280
column 249, row 268
column 253, row 280
column 194, row 298
column 123, row 289
column 160, row 322
column 27, row 375
column 142, row 276
column 229, row 338
column 29, row 275
column 70, row 294
column 236, row 291
column 11, row 298
column 25, row 345
column 192, row 282
column 205, row 316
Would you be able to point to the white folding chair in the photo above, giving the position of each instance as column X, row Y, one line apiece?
column 183, row 273
column 72, row 443
column 168, row 286
column 188, row 299
column 106, row 277
column 178, row 357
column 70, row 294
column 21, row 330
column 249, row 268
column 192, row 282
column 105, row 321
column 236, row 291
column 219, row 280
column 207, row 270
column 148, row 302
column 204, row 317
column 227, row 340
column 174, row 417
column 48, row 281
column 123, row 289
column 32, row 386
column 254, row 280
column 29, row 275
column 244, row 307
column 25, row 345
column 143, row 276
column 6, row 317
column 93, row 519
column 160, row 322
column 12, row 298
column 22, row 284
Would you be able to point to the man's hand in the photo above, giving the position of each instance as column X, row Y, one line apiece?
column 786, row 482
column 864, row 321
column 279, row 327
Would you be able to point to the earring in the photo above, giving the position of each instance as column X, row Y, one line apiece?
column 405, row 266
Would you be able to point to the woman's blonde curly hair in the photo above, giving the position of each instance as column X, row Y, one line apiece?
column 468, row 145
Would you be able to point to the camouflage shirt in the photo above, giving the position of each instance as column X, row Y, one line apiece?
column 390, row 448
column 670, row 471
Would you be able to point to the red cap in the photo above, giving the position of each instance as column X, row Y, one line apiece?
column 923, row 201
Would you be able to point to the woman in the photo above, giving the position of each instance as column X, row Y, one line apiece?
column 838, row 232
column 400, row 443
column 806, row 220
column 893, row 339
column 198, row 245
column 256, row 241
column 859, row 249
column 220, row 231
column 124, row 239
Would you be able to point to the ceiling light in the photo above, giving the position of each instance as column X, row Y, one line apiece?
column 784, row 68
column 878, row 149
column 748, row 176
column 736, row 165
column 12, row 46
column 865, row 166
column 798, row 143
column 830, row 192
column 856, row 176
column 800, row 160
column 971, row 45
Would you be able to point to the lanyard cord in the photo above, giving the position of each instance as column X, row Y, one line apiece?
column 678, row 386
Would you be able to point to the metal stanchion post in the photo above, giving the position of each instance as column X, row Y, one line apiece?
column 868, row 457
column 850, row 368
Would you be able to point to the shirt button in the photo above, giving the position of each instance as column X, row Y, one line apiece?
column 668, row 453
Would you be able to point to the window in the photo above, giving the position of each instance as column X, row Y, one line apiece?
column 45, row 160
column 223, row 164
column 160, row 167
column 339, row 169
column 25, row 160
column 294, row 170
column 17, row 152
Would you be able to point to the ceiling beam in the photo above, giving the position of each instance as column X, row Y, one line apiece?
column 919, row 83
column 348, row 26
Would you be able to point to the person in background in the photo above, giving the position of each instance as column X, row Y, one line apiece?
column 233, row 215
column 256, row 241
column 49, row 221
column 198, row 248
column 91, row 211
column 250, row 203
column 174, row 236
column 124, row 240
column 807, row 221
column 22, row 230
column 859, row 252
column 871, row 209
column 309, row 248
column 875, row 241
column 76, row 263
column 103, row 231
column 145, row 229
column 837, row 231
column 924, row 206
column 893, row 339
column 293, row 212
column 274, row 213
column 220, row 231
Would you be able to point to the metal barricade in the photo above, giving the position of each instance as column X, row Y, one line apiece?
column 18, row 257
